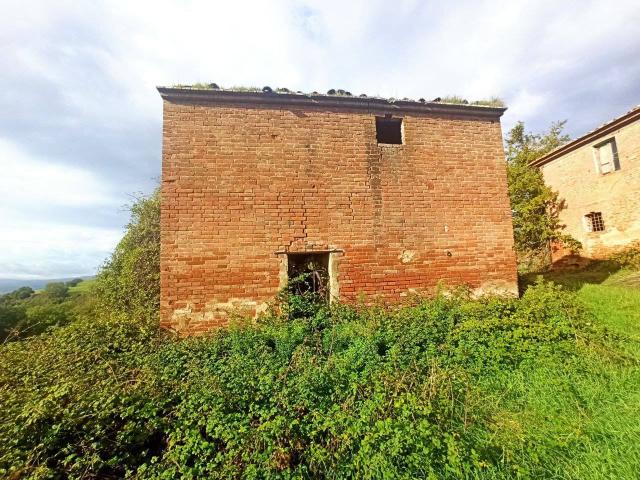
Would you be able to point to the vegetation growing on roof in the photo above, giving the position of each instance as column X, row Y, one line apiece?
column 215, row 86
column 197, row 86
column 244, row 89
column 454, row 99
column 457, row 100
column 338, row 92
column 490, row 102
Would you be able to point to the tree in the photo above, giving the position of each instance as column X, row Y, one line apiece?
column 56, row 291
column 10, row 318
column 129, row 281
column 22, row 293
column 16, row 296
column 534, row 205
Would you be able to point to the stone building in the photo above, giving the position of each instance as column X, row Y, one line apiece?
column 384, row 198
column 598, row 176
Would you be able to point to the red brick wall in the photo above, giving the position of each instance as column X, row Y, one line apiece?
column 240, row 184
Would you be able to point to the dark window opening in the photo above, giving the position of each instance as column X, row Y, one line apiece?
column 309, row 273
column 389, row 130
column 594, row 222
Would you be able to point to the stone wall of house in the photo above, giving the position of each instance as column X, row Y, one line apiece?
column 241, row 186
column 584, row 190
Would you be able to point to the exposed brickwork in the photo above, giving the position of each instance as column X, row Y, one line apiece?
column 615, row 194
column 242, row 183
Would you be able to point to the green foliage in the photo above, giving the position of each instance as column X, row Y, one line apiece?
column 535, row 207
column 591, row 404
column 56, row 291
column 71, row 402
column 24, row 313
column 16, row 296
column 449, row 388
column 11, row 316
column 85, row 286
column 130, row 280
column 490, row 102
column 457, row 100
column 330, row 392
column 299, row 299
column 629, row 257
column 40, row 318
column 74, row 282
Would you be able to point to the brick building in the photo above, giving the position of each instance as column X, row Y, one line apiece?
column 385, row 197
column 598, row 176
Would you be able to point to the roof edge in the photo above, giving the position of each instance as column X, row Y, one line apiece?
column 615, row 124
column 334, row 101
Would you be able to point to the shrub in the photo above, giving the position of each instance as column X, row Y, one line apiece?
column 56, row 291
column 330, row 392
column 74, row 402
column 74, row 282
column 24, row 313
column 130, row 279
column 628, row 257
column 21, row 293
column 10, row 317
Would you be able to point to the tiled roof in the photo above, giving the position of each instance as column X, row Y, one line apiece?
column 333, row 98
column 604, row 129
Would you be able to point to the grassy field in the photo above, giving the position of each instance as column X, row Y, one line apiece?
column 597, row 413
column 84, row 286
column 612, row 295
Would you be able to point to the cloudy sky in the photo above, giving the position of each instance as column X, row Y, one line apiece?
column 80, row 119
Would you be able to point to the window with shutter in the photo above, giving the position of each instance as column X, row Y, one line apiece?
column 606, row 157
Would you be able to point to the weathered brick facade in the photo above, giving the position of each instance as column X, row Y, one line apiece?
column 249, row 177
column 573, row 170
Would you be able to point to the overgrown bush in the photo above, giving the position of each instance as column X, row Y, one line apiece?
column 129, row 281
column 56, row 291
column 328, row 392
column 10, row 317
column 433, row 390
column 71, row 402
column 24, row 313
column 629, row 257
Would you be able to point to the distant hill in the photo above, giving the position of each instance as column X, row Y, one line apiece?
column 11, row 284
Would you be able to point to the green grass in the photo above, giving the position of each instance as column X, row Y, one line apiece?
column 613, row 421
column 489, row 102
column 595, row 408
column 612, row 295
column 546, row 386
column 84, row 286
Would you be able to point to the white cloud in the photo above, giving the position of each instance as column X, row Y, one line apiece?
column 52, row 250
column 33, row 242
column 31, row 181
column 524, row 104
column 80, row 118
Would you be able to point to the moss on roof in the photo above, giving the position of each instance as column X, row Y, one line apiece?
column 494, row 102
column 490, row 102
